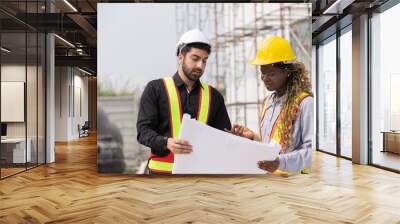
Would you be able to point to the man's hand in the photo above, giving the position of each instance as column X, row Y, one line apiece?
column 178, row 146
column 270, row 166
column 241, row 131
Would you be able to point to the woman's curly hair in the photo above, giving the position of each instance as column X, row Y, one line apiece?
column 297, row 82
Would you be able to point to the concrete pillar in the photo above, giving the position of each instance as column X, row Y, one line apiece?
column 360, row 90
column 50, row 98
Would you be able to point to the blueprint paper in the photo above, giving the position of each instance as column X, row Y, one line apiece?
column 219, row 152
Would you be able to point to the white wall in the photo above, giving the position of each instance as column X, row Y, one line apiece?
column 61, row 103
column 70, row 84
column 16, row 73
column 33, row 125
column 80, row 94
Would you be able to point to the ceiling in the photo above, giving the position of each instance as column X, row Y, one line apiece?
column 75, row 21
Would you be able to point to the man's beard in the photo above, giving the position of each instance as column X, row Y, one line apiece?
column 192, row 74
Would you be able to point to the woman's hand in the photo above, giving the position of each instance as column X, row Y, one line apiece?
column 270, row 166
column 241, row 131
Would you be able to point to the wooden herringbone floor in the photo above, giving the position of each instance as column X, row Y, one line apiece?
column 70, row 191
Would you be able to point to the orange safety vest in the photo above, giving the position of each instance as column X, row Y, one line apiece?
column 165, row 164
column 277, row 127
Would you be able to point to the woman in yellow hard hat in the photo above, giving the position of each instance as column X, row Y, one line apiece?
column 287, row 114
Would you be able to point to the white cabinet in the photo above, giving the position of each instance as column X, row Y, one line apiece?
column 18, row 149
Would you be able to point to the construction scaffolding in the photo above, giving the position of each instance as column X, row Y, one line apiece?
column 236, row 29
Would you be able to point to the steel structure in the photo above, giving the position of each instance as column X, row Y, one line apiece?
column 236, row 29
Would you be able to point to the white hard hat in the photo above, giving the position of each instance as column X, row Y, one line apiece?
column 192, row 36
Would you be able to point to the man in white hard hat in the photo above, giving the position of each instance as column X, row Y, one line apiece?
column 165, row 100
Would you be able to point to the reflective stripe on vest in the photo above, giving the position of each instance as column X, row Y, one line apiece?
column 277, row 127
column 165, row 164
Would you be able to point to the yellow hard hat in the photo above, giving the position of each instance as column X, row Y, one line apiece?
column 272, row 50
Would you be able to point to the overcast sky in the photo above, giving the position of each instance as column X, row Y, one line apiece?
column 136, row 43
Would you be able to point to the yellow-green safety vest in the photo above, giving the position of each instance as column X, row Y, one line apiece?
column 277, row 127
column 165, row 164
